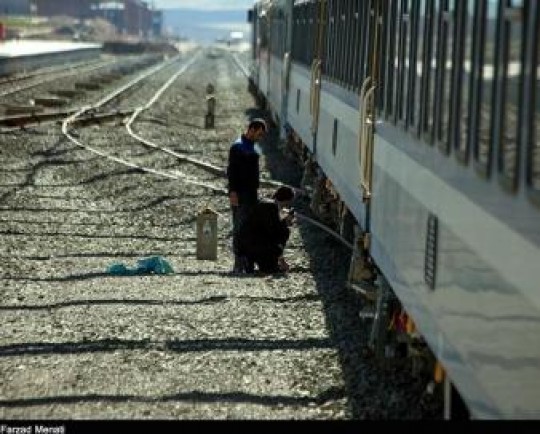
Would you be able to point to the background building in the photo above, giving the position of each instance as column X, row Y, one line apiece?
column 130, row 17
column 72, row 8
column 15, row 7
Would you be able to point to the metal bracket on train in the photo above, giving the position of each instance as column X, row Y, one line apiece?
column 362, row 273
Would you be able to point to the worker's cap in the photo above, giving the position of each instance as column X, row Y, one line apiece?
column 258, row 123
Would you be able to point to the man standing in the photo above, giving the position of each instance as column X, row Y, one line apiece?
column 243, row 182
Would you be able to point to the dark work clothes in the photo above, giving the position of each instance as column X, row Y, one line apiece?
column 239, row 214
column 263, row 235
column 243, row 170
column 243, row 178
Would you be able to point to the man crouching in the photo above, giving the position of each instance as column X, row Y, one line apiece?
column 264, row 234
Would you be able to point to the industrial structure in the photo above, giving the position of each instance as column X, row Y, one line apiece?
column 130, row 17
column 15, row 7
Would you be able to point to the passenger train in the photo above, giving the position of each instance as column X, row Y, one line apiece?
column 418, row 124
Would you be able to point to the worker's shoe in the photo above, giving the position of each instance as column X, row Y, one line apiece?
column 282, row 265
column 240, row 265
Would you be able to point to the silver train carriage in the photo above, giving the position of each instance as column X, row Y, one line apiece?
column 437, row 165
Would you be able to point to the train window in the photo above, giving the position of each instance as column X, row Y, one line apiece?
column 464, row 78
column 284, row 31
column 312, row 31
column 376, row 46
column 273, row 35
column 535, row 131
column 310, row 22
column 297, row 100
column 373, row 27
column 263, row 32
column 355, row 43
column 346, row 51
column 296, row 34
column 353, row 28
column 430, row 73
column 481, row 136
column 345, row 15
column 509, row 91
column 303, row 32
column 445, row 56
column 383, row 47
column 334, row 35
column 278, row 32
column 390, row 59
column 328, row 41
column 321, row 31
column 412, row 62
column 404, row 67
column 396, row 58
column 418, row 109
column 343, row 49
column 337, row 41
column 362, row 47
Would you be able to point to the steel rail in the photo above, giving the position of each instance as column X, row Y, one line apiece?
column 76, row 117
column 55, row 77
column 35, row 117
column 176, row 175
column 215, row 170
column 51, row 70
column 239, row 64
column 17, row 122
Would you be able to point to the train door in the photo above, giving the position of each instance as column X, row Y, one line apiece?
column 369, row 82
column 286, row 62
column 316, row 68
column 371, row 50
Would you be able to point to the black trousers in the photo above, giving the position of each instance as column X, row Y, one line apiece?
column 267, row 264
column 240, row 214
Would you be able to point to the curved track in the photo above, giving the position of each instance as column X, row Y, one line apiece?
column 80, row 343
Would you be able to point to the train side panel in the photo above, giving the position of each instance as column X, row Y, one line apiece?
column 274, row 97
column 338, row 150
column 298, row 108
column 482, row 318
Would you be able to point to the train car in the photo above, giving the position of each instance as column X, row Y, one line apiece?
column 418, row 123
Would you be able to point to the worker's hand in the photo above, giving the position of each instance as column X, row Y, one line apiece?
column 283, row 266
column 289, row 220
column 233, row 198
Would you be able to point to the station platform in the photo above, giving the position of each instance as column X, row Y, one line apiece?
column 18, row 56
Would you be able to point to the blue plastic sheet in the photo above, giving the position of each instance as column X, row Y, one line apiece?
column 152, row 265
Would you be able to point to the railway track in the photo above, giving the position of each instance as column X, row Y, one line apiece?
column 198, row 344
column 23, row 108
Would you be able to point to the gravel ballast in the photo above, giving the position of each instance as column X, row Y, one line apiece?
column 79, row 343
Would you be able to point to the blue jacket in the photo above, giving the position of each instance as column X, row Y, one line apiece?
column 243, row 170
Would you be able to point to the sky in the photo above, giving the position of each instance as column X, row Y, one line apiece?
column 203, row 4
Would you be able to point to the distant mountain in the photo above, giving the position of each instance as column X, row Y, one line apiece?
column 205, row 26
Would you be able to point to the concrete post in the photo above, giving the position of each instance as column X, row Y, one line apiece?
column 211, row 107
column 207, row 234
